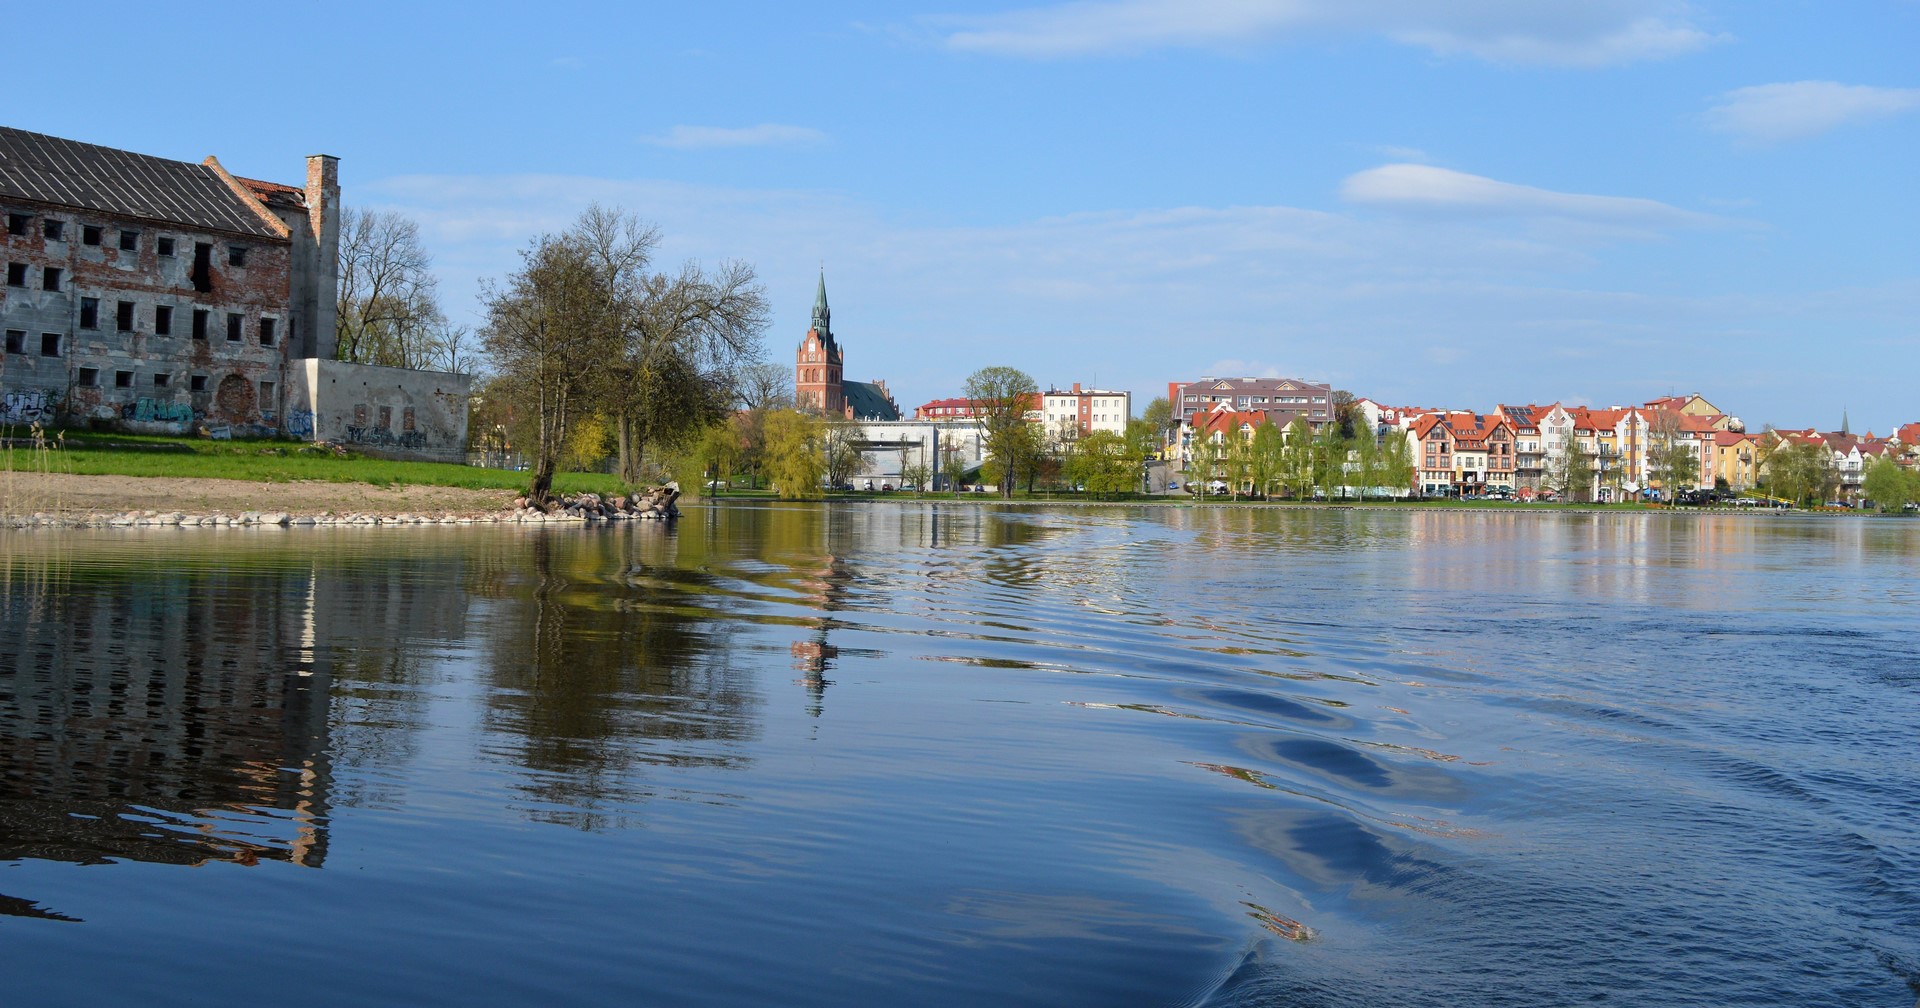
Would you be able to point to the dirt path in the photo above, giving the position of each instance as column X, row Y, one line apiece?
column 78, row 496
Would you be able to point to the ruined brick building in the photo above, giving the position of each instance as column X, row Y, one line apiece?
column 152, row 292
column 162, row 296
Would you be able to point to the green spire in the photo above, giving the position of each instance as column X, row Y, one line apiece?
column 1843, row 411
column 821, row 315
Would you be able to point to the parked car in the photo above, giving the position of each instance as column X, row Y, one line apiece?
column 1173, row 484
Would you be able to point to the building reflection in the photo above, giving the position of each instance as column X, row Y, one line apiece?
column 158, row 712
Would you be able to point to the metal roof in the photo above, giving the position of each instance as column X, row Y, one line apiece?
column 83, row 176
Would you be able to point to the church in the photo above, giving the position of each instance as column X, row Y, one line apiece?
column 817, row 384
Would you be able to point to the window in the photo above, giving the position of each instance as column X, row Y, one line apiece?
column 17, row 223
column 197, row 383
column 202, row 272
column 266, row 392
column 16, row 341
column 163, row 320
column 54, row 230
column 123, row 379
column 200, row 323
column 123, row 317
column 234, row 321
column 129, row 241
column 89, row 377
column 236, row 255
column 162, row 380
column 90, row 234
column 89, row 313
column 164, row 246
column 50, row 280
column 266, row 332
column 49, row 344
column 16, row 274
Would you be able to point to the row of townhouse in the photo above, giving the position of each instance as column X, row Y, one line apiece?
column 1215, row 408
column 1852, row 454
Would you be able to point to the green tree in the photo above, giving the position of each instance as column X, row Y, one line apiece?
column 1330, row 460
column 796, row 457
column 1570, row 470
column 1297, row 464
column 1236, row 462
column 1890, row 487
column 1268, row 452
column 1159, row 417
column 1396, row 460
column 1000, row 398
column 719, row 450
column 1801, row 472
column 1364, row 452
column 1105, row 464
column 549, row 333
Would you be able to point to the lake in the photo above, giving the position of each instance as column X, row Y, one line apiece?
column 966, row 754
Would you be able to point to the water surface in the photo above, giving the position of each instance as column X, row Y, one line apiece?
column 963, row 755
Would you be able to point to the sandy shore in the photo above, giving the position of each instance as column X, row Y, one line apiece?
column 70, row 496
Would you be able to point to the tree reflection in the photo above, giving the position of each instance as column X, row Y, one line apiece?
column 607, row 657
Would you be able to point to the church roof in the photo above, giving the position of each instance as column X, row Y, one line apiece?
column 869, row 401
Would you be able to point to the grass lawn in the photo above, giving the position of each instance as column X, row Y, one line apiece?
column 93, row 454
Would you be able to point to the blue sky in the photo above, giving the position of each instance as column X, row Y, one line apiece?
column 1456, row 203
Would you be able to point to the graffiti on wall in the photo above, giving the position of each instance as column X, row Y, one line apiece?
column 154, row 411
column 300, row 423
column 383, row 438
column 27, row 406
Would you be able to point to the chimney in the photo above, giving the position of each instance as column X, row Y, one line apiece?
column 323, row 221
column 1076, row 388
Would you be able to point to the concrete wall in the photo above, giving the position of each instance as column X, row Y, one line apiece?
column 389, row 412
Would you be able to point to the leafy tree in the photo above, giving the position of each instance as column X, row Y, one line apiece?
column 1330, row 459
column 1000, row 398
column 1800, row 472
column 1889, row 486
column 720, row 450
column 1346, row 414
column 1297, row 465
column 1267, row 457
column 549, row 332
column 953, row 461
column 1236, row 462
column 1570, row 470
column 1159, row 417
column 796, row 454
column 1208, row 457
column 1364, row 452
column 1143, row 439
column 1396, row 459
column 1105, row 464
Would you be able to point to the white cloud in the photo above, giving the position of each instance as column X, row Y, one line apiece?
column 1431, row 189
column 709, row 137
column 1135, row 298
column 1589, row 33
column 1776, row 113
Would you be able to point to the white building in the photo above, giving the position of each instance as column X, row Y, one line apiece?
column 1078, row 412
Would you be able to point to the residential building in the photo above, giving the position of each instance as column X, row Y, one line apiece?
column 1530, row 455
column 1311, row 399
column 1077, row 412
column 1736, row 460
column 819, row 385
column 1463, row 454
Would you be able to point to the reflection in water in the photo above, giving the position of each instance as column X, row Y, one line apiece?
column 1076, row 756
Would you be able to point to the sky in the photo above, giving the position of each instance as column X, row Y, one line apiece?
column 1454, row 204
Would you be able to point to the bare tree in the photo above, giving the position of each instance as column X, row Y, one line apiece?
column 387, row 312
column 765, row 385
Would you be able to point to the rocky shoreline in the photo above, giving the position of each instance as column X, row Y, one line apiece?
column 657, row 504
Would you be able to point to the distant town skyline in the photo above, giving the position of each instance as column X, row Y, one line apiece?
column 1484, row 202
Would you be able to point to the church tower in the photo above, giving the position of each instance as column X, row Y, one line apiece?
column 817, row 387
